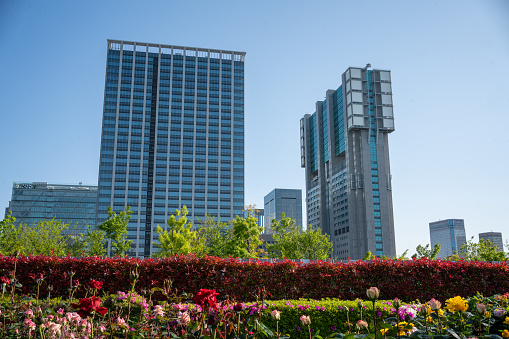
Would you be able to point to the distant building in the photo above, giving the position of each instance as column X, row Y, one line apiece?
column 287, row 201
column 495, row 238
column 450, row 234
column 75, row 205
column 258, row 214
column 345, row 151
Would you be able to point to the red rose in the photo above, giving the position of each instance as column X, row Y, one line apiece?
column 88, row 305
column 206, row 298
column 96, row 284
column 5, row 280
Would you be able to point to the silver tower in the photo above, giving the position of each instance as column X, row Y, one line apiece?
column 345, row 151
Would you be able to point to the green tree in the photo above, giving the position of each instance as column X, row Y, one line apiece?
column 95, row 242
column 92, row 243
column 217, row 235
column 315, row 245
column 9, row 235
column 180, row 239
column 245, row 238
column 291, row 243
column 426, row 252
column 368, row 256
column 115, row 228
column 46, row 237
column 482, row 251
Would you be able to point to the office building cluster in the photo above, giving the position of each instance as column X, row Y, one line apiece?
column 451, row 235
column 173, row 136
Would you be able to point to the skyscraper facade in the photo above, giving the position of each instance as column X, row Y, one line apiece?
column 345, row 151
column 172, row 136
column 495, row 238
column 278, row 201
column 75, row 205
column 450, row 234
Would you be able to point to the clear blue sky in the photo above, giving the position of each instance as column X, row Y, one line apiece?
column 449, row 62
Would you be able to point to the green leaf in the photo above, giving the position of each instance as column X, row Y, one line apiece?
column 452, row 333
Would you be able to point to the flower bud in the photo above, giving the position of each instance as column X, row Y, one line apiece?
column 423, row 310
column 359, row 304
column 396, row 303
column 361, row 324
column 499, row 312
column 305, row 320
column 434, row 304
column 373, row 293
column 275, row 314
column 481, row 308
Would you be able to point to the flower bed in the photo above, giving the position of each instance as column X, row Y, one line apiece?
column 131, row 315
column 409, row 280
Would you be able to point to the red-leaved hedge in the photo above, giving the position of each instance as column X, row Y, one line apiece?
column 408, row 280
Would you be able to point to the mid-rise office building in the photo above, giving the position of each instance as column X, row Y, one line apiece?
column 172, row 136
column 287, row 201
column 345, row 151
column 75, row 205
column 450, row 234
column 495, row 238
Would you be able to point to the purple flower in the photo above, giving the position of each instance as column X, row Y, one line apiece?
column 298, row 328
column 406, row 312
column 340, row 307
column 333, row 327
column 301, row 308
column 378, row 313
column 351, row 309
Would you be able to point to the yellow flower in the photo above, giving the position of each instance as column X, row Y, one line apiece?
column 505, row 334
column 429, row 319
column 506, row 321
column 456, row 304
column 404, row 327
column 384, row 330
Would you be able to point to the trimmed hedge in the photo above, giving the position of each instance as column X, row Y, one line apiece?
column 242, row 280
column 331, row 316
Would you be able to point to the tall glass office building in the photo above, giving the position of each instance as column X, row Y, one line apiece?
column 75, row 205
column 450, row 234
column 172, row 136
column 345, row 151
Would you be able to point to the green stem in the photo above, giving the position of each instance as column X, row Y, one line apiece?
column 374, row 320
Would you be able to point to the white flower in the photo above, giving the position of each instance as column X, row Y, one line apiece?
column 158, row 311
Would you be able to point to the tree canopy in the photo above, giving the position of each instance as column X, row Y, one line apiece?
column 292, row 243
column 115, row 228
column 180, row 239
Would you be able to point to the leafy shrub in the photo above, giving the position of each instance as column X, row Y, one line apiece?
column 327, row 316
